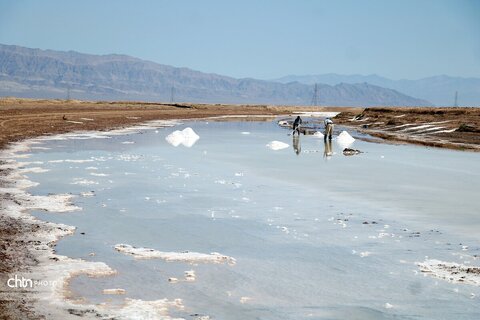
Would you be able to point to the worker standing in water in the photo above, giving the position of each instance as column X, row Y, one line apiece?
column 296, row 125
column 328, row 129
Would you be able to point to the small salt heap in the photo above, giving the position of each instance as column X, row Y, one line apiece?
column 277, row 145
column 187, row 137
column 318, row 134
column 344, row 139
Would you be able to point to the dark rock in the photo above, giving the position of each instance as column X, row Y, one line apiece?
column 350, row 152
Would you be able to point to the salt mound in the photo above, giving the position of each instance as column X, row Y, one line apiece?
column 277, row 145
column 318, row 134
column 187, row 137
column 345, row 139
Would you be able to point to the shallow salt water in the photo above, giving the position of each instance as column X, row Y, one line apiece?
column 314, row 236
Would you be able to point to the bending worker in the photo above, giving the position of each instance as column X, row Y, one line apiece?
column 328, row 129
column 296, row 125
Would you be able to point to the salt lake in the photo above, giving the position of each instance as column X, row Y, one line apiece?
column 301, row 232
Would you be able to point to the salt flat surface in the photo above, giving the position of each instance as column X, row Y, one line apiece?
column 371, row 236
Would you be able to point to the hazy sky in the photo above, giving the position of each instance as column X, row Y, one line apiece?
column 261, row 39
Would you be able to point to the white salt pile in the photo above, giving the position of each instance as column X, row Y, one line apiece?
column 345, row 139
column 277, row 145
column 187, row 137
column 185, row 256
column 318, row 134
column 245, row 299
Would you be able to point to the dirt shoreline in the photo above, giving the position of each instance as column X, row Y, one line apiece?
column 452, row 128
column 22, row 237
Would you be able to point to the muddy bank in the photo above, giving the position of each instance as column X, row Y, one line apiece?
column 453, row 128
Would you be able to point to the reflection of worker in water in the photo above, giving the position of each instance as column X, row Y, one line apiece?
column 297, row 147
column 328, row 129
column 328, row 151
column 296, row 125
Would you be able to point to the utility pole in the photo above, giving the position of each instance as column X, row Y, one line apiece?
column 315, row 96
column 172, row 94
column 455, row 104
column 68, row 93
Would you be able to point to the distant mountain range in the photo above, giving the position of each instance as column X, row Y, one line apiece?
column 36, row 73
column 438, row 89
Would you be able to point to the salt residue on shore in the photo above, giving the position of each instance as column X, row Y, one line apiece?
column 451, row 271
column 33, row 170
column 84, row 135
column 187, row 137
column 140, row 309
column 15, row 185
column 186, row 256
column 55, row 271
column 50, row 268
column 114, row 291
column 277, row 145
